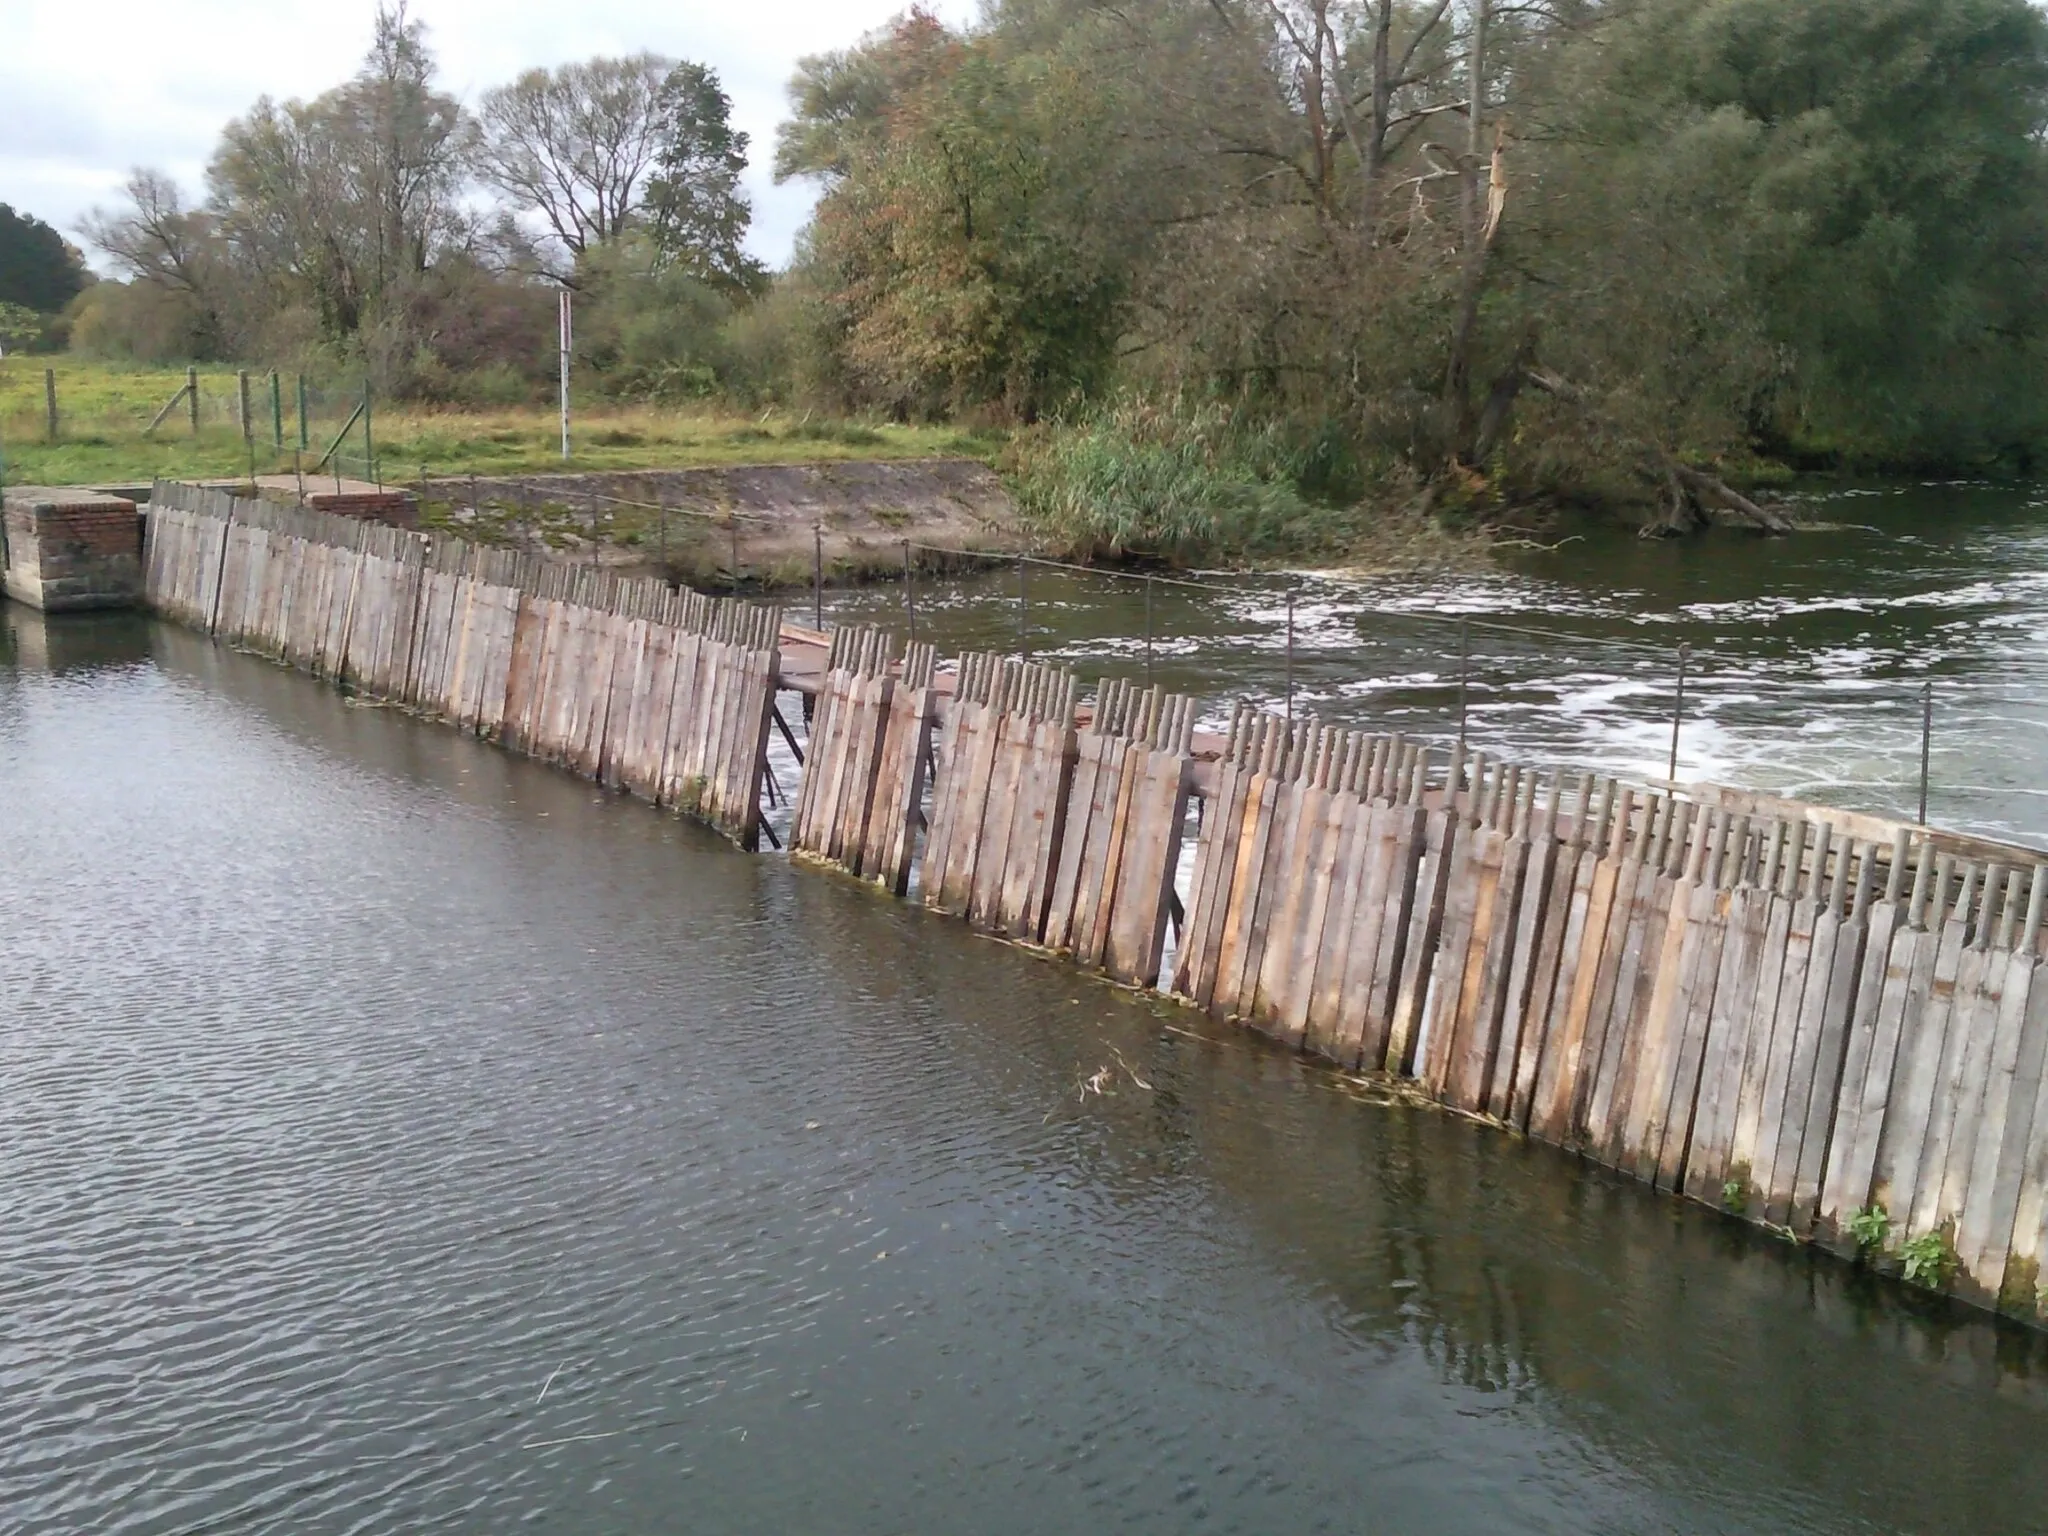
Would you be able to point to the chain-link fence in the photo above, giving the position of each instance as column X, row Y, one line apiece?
column 257, row 421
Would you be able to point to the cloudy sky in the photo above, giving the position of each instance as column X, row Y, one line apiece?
column 92, row 87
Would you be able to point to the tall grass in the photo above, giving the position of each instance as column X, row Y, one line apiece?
column 1176, row 482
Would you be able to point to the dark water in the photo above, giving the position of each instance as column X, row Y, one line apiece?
column 399, row 1136
column 1808, row 655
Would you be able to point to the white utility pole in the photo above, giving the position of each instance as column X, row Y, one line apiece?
column 566, row 338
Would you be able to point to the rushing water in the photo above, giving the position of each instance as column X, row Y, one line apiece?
column 400, row 1136
column 1808, row 656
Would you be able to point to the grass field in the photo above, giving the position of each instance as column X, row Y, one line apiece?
column 103, row 410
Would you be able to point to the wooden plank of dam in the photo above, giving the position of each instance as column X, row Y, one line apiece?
column 897, row 812
column 1819, row 1021
column 567, row 664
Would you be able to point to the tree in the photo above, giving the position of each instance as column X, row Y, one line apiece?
column 573, row 146
column 341, row 202
column 953, row 237
column 698, row 213
column 38, row 270
column 20, row 327
column 173, row 251
column 840, row 102
column 1808, row 228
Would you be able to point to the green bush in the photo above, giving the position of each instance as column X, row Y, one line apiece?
column 1870, row 1226
column 1928, row 1260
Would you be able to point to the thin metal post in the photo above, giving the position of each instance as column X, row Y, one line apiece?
column 1023, row 614
column 1678, row 712
column 242, row 406
column 1464, row 677
column 564, row 319
column 1148, row 630
column 1926, row 741
column 1290, row 653
column 305, row 431
column 192, row 396
column 369, row 444
column 276, row 411
column 909, row 594
column 50, row 397
column 817, row 575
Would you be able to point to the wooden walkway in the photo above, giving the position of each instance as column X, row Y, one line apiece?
column 1789, row 1013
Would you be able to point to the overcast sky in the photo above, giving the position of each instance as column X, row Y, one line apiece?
column 89, row 88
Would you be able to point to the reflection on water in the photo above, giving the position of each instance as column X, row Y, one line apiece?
column 402, row 1136
column 1808, row 655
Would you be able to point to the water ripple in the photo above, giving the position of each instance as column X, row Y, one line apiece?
column 402, row 1137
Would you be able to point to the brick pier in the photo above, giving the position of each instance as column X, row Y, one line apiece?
column 67, row 548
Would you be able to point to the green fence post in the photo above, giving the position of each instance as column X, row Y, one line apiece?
column 276, row 411
column 369, row 446
column 242, row 404
column 192, row 396
column 50, row 396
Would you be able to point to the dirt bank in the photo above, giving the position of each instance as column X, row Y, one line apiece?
column 696, row 521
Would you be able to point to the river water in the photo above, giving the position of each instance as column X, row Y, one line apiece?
column 1807, row 662
column 400, row 1136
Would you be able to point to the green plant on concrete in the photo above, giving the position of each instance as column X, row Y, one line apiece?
column 1928, row 1259
column 1734, row 1197
column 1870, row 1226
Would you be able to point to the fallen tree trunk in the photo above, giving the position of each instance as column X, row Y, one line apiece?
column 1692, row 497
column 1713, row 491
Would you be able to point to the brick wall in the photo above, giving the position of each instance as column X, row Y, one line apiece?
column 96, row 529
column 85, row 554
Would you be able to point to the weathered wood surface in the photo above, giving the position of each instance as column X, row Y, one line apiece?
column 858, row 806
column 851, row 713
column 562, row 662
column 1089, row 856
column 1819, row 1021
column 897, row 813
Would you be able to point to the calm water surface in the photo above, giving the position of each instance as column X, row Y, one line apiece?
column 399, row 1136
